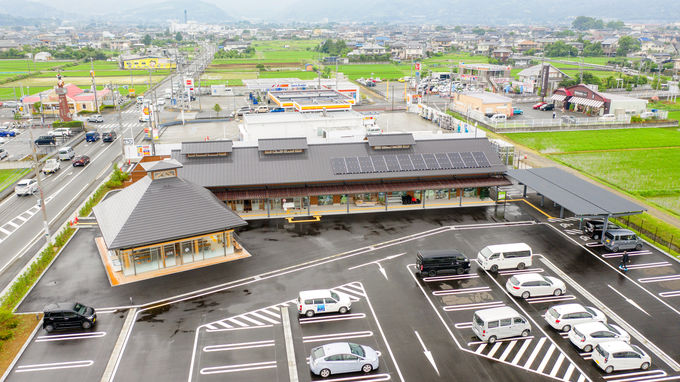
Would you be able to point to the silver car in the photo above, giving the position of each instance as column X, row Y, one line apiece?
column 26, row 187
column 342, row 357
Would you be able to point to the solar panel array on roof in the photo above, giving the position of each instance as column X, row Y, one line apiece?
column 408, row 162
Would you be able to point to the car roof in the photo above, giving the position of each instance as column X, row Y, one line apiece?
column 509, row 247
column 569, row 308
column 59, row 306
column 529, row 277
column 591, row 326
column 620, row 231
column 430, row 253
column 496, row 313
column 315, row 293
column 336, row 348
column 614, row 346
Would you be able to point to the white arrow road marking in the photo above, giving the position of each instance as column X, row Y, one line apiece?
column 377, row 262
column 382, row 270
column 428, row 354
column 627, row 299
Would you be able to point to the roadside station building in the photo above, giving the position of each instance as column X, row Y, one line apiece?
column 163, row 224
column 344, row 87
column 313, row 126
column 484, row 102
column 588, row 100
column 290, row 177
column 311, row 100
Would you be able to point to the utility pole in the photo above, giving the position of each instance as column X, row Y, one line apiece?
column 46, row 226
column 94, row 86
column 120, row 122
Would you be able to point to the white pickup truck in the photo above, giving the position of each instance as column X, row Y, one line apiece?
column 51, row 166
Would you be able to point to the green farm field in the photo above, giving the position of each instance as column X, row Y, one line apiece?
column 384, row 71
column 457, row 57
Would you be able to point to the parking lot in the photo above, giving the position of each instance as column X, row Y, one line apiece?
column 418, row 325
column 529, row 113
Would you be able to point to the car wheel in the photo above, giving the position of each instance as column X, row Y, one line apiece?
column 588, row 348
column 526, row 333
column 521, row 266
column 325, row 373
column 526, row 295
column 596, row 237
column 86, row 324
column 566, row 328
column 557, row 292
column 638, row 247
column 367, row 368
column 615, row 249
column 492, row 339
column 309, row 313
column 432, row 273
column 644, row 366
column 609, row 369
column 49, row 328
column 342, row 310
column 494, row 268
column 460, row 271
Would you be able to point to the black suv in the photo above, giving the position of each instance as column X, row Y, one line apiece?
column 68, row 316
column 593, row 227
column 432, row 262
column 46, row 140
column 108, row 136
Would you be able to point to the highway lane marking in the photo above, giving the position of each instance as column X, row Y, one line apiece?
column 477, row 305
column 460, row 291
column 237, row 368
column 650, row 265
column 674, row 293
column 540, row 300
column 67, row 337
column 238, row 346
column 337, row 336
column 659, row 279
column 53, row 366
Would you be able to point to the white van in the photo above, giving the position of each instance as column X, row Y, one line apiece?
column 311, row 302
column 497, row 323
column 499, row 118
column 66, row 153
column 504, row 256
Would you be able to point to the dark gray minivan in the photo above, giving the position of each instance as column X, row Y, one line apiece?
column 621, row 240
column 432, row 262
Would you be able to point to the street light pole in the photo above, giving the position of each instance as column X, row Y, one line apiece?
column 120, row 122
column 94, row 86
column 46, row 226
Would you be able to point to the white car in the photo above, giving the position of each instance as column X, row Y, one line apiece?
column 587, row 336
column 311, row 302
column 3, row 154
column 534, row 284
column 160, row 102
column 342, row 357
column 619, row 355
column 26, row 187
column 565, row 316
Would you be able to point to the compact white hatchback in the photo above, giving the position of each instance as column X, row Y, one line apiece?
column 311, row 302
column 534, row 284
column 587, row 336
column 619, row 355
column 565, row 316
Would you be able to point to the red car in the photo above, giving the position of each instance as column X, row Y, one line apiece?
column 81, row 160
column 536, row 106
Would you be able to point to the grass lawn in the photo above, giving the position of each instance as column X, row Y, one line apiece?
column 457, row 57
column 638, row 171
column 10, row 348
column 303, row 75
column 9, row 176
column 568, row 141
column 384, row 71
column 23, row 66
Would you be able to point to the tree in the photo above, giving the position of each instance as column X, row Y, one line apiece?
column 479, row 31
column 217, row 109
column 560, row 49
column 147, row 40
column 592, row 49
column 178, row 36
column 584, row 23
column 458, row 29
column 627, row 45
column 618, row 24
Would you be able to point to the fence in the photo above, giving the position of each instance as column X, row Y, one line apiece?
column 671, row 243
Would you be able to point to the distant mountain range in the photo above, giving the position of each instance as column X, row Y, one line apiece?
column 448, row 12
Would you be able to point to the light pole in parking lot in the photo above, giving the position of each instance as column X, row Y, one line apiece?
column 40, row 188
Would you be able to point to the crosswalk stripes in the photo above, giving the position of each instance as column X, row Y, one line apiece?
column 270, row 315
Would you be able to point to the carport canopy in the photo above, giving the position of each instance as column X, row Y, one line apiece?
column 575, row 194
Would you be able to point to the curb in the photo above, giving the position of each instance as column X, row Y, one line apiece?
column 118, row 347
column 20, row 353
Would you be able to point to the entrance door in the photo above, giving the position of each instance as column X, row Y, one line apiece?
column 247, row 205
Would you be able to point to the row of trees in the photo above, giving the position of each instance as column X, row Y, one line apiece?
column 626, row 45
column 247, row 53
column 610, row 82
column 585, row 23
column 334, row 47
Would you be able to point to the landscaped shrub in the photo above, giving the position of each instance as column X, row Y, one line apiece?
column 67, row 124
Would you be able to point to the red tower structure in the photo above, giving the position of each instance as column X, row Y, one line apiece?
column 63, row 103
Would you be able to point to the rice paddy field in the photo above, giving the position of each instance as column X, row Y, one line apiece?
column 642, row 162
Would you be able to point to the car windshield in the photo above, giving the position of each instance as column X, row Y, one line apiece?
column 335, row 296
column 514, row 281
column 357, row 350
column 79, row 308
column 318, row 352
column 478, row 320
column 553, row 312
column 601, row 351
column 589, row 310
column 578, row 333
column 611, row 328
column 486, row 252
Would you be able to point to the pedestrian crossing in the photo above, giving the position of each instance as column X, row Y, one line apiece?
column 271, row 315
column 11, row 226
column 125, row 125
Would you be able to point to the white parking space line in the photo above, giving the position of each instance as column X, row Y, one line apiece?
column 546, row 358
column 337, row 336
column 478, row 305
column 494, row 349
column 237, row 368
column 243, row 328
column 647, row 374
column 334, row 317
column 675, row 293
column 53, row 366
column 449, row 278
column 460, row 291
column 520, row 271
column 534, row 353
column 557, row 366
column 659, row 279
column 631, row 253
column 66, row 337
column 238, row 346
column 649, row 265
column 539, row 300
column 521, row 351
column 463, row 325
column 507, row 351
column 362, row 378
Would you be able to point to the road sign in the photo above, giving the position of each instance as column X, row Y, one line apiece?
column 417, row 66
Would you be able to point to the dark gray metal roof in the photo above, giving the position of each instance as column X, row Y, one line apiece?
column 167, row 164
column 246, row 167
column 575, row 194
column 267, row 144
column 391, row 139
column 208, row 147
column 153, row 211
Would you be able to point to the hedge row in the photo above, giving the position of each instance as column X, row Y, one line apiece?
column 116, row 181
